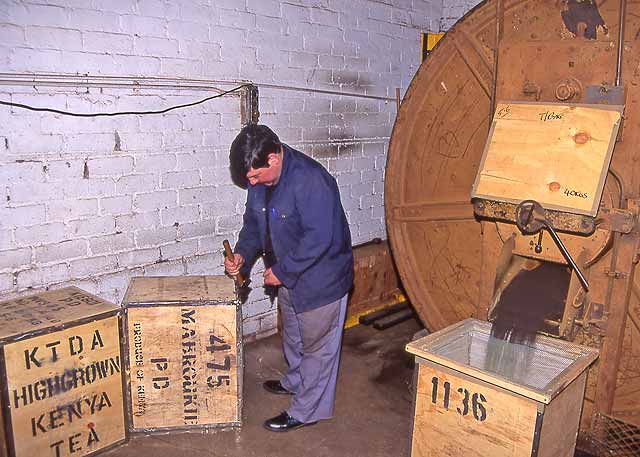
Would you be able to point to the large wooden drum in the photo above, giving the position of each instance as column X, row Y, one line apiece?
column 449, row 259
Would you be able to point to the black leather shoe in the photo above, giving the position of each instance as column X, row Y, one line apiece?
column 284, row 423
column 275, row 387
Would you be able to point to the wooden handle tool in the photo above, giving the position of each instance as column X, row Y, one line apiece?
column 228, row 253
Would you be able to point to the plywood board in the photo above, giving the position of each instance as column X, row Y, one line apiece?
column 180, row 289
column 183, row 366
column 34, row 313
column 456, row 416
column 4, row 439
column 559, row 430
column 65, row 390
column 556, row 154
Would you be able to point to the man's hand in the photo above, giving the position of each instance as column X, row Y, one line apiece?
column 233, row 266
column 271, row 279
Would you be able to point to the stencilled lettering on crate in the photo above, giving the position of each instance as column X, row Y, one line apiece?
column 36, row 312
column 464, row 403
column 65, row 390
column 455, row 412
column 183, row 365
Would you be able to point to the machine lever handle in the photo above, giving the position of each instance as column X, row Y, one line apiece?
column 530, row 219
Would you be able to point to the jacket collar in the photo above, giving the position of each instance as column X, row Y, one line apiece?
column 286, row 162
column 287, row 158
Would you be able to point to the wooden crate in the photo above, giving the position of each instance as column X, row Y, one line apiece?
column 184, row 353
column 376, row 282
column 469, row 402
column 61, row 376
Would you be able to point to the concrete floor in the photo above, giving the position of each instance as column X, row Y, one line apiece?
column 372, row 416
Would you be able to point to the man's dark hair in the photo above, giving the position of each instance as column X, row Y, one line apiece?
column 251, row 149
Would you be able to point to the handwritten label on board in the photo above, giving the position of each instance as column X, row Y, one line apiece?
column 65, row 390
column 575, row 193
column 551, row 116
column 503, row 112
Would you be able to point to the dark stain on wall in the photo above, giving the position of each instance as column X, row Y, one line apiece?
column 332, row 151
column 332, row 147
column 118, row 142
column 345, row 149
column 351, row 79
column 356, row 81
column 325, row 151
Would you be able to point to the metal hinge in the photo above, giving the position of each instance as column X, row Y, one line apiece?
column 617, row 220
column 615, row 274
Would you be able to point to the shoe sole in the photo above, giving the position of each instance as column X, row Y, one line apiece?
column 281, row 430
column 277, row 392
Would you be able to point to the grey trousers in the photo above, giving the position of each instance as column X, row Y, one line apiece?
column 311, row 343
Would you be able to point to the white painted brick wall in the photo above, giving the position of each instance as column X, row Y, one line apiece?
column 138, row 257
column 95, row 201
column 452, row 10
column 112, row 243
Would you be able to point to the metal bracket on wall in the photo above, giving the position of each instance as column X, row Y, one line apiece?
column 249, row 107
column 592, row 318
column 608, row 95
column 605, row 95
column 616, row 220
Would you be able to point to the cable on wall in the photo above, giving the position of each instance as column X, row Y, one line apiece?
column 155, row 82
column 121, row 113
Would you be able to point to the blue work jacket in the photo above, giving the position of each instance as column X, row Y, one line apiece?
column 309, row 232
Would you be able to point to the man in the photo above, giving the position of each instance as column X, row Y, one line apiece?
column 294, row 217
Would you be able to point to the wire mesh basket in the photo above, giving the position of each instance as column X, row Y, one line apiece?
column 614, row 437
column 539, row 369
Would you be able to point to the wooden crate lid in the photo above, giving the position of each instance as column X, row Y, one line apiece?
column 168, row 290
column 542, row 372
column 32, row 314
column 556, row 154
